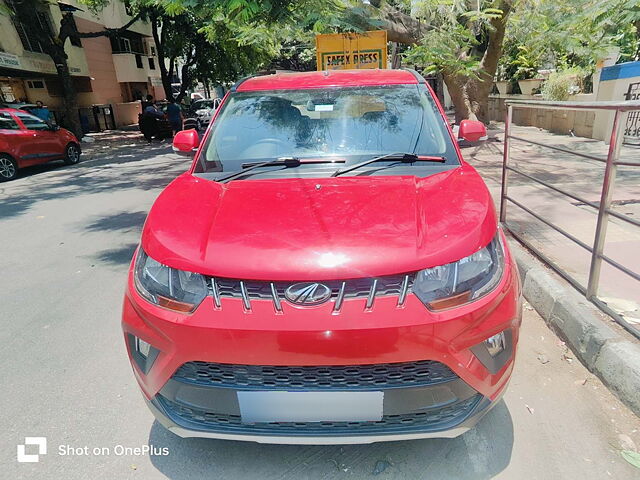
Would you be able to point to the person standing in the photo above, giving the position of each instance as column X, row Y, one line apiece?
column 174, row 113
column 149, row 121
column 41, row 112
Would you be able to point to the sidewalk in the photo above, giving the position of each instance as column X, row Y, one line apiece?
column 102, row 142
column 583, row 178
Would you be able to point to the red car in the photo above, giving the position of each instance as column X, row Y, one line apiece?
column 330, row 270
column 25, row 140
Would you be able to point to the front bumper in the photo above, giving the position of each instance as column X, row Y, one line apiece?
column 266, row 435
column 303, row 337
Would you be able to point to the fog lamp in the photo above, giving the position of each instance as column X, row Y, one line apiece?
column 495, row 344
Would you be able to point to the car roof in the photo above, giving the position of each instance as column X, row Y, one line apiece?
column 12, row 110
column 328, row 78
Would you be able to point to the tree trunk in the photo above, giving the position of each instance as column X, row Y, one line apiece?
column 158, row 38
column 71, row 119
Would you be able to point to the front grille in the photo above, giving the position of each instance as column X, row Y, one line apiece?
column 429, row 420
column 365, row 288
column 351, row 377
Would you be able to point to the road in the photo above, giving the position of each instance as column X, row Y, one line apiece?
column 67, row 235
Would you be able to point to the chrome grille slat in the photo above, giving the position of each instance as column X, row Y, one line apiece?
column 216, row 292
column 245, row 295
column 403, row 292
column 276, row 299
column 369, row 289
column 338, row 304
column 372, row 294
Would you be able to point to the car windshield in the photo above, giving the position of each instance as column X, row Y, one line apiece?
column 346, row 124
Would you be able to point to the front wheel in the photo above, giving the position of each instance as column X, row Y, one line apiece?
column 8, row 168
column 72, row 154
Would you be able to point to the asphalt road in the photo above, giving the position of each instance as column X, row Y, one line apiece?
column 67, row 235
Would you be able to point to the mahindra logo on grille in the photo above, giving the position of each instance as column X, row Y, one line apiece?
column 307, row 293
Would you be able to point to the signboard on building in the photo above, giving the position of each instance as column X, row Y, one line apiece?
column 343, row 51
column 9, row 60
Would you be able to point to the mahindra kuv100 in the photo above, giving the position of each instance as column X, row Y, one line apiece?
column 329, row 270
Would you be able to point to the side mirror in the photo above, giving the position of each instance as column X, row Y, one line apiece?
column 186, row 142
column 472, row 131
column 53, row 128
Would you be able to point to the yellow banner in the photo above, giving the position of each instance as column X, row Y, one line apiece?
column 343, row 51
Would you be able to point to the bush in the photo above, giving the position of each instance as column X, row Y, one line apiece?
column 560, row 85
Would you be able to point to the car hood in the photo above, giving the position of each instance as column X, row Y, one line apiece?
column 319, row 229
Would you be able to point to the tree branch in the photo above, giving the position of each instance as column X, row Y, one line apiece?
column 108, row 32
column 400, row 27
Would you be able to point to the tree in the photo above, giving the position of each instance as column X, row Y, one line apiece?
column 206, row 52
column 464, row 44
column 53, row 44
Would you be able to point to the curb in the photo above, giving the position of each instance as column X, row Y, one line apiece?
column 605, row 352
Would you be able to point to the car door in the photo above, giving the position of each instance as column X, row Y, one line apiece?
column 45, row 143
column 14, row 139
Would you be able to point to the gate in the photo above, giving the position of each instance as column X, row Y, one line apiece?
column 632, row 127
column 623, row 111
column 97, row 118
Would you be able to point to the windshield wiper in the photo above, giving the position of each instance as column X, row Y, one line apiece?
column 287, row 162
column 402, row 157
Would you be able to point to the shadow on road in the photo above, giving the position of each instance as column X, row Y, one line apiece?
column 139, row 168
column 481, row 453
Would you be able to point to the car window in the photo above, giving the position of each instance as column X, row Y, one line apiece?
column 32, row 122
column 354, row 123
column 7, row 122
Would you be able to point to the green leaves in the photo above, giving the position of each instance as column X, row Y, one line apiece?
column 632, row 457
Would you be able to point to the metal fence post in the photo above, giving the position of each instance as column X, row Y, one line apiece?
column 505, row 161
column 605, row 202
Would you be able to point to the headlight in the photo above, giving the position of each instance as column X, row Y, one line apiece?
column 167, row 287
column 460, row 282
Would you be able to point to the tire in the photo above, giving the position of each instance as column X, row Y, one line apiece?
column 8, row 168
column 72, row 154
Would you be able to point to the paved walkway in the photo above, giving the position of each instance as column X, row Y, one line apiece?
column 583, row 178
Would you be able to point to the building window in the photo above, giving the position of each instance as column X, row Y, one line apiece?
column 138, row 61
column 152, row 63
column 127, row 42
column 35, row 84
column 153, row 50
column 29, row 40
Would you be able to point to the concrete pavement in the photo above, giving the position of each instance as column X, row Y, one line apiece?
column 69, row 233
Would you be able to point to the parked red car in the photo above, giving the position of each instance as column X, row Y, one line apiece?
column 330, row 270
column 26, row 140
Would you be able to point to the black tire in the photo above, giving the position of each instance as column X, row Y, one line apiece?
column 71, row 154
column 8, row 168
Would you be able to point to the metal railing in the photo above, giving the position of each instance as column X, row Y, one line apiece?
column 603, row 208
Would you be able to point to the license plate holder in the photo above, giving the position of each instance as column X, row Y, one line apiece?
column 283, row 406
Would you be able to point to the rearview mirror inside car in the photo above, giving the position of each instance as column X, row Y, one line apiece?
column 472, row 131
column 186, row 142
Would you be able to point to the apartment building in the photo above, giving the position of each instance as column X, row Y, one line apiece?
column 108, row 73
